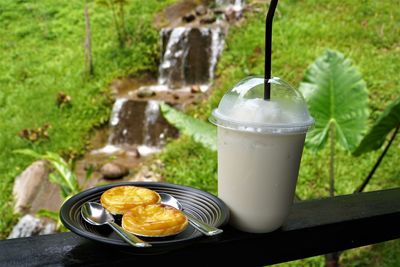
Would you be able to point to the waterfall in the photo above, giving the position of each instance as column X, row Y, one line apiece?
column 175, row 51
column 232, row 7
column 190, row 55
column 188, row 62
column 115, row 110
column 151, row 139
column 237, row 4
column 217, row 45
column 136, row 124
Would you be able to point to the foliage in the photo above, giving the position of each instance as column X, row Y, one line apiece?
column 200, row 131
column 337, row 98
column 41, row 51
column 363, row 30
column 62, row 176
column 387, row 121
column 187, row 162
column 118, row 16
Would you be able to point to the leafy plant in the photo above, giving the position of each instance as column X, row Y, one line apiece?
column 118, row 16
column 201, row 131
column 388, row 121
column 62, row 176
column 337, row 98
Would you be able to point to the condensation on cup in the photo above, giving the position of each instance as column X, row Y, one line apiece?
column 260, row 144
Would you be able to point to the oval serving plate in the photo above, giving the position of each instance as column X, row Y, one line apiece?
column 200, row 204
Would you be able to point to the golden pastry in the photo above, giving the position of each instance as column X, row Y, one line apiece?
column 154, row 220
column 120, row 199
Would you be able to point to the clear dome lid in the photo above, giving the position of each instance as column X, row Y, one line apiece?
column 243, row 108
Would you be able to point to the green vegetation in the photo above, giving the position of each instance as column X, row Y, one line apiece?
column 388, row 121
column 190, row 163
column 336, row 96
column 48, row 103
column 62, row 175
column 44, row 88
column 365, row 31
column 201, row 131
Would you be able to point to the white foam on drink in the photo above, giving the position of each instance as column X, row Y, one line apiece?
column 258, row 112
column 244, row 108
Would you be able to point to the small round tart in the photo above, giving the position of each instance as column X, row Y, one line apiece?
column 154, row 220
column 120, row 199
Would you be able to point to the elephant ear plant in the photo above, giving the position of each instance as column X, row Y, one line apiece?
column 201, row 131
column 387, row 122
column 337, row 98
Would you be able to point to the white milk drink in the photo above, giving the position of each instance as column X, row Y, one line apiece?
column 260, row 144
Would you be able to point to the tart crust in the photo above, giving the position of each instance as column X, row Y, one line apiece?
column 154, row 220
column 120, row 199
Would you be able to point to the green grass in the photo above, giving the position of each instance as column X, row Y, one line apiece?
column 367, row 32
column 41, row 54
column 189, row 163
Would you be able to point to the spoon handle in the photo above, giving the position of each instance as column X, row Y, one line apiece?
column 128, row 237
column 205, row 228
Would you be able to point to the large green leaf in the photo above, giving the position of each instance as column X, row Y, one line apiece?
column 389, row 119
column 201, row 131
column 337, row 97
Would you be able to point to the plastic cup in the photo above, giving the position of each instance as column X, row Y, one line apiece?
column 260, row 144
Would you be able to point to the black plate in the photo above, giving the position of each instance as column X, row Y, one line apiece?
column 200, row 204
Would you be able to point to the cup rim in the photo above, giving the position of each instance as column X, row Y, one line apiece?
column 226, row 122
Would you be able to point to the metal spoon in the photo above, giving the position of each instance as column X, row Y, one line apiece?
column 205, row 228
column 95, row 214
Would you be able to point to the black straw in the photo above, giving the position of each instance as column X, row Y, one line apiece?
column 268, row 51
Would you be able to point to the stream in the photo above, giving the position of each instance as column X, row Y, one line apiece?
column 190, row 52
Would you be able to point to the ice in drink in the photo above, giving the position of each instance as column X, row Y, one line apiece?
column 260, row 144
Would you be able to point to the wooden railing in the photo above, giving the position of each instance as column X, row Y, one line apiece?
column 314, row 227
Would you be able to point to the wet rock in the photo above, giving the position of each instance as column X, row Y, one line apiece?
column 219, row 11
column 139, row 122
column 189, row 55
column 188, row 17
column 132, row 151
column 145, row 93
column 113, row 171
column 208, row 19
column 232, row 15
column 149, row 173
column 29, row 225
column 195, row 89
column 33, row 191
column 201, row 10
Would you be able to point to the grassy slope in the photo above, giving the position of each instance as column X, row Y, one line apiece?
column 367, row 32
column 41, row 53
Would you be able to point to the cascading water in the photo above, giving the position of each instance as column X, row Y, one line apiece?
column 238, row 4
column 175, row 51
column 190, row 56
column 136, row 125
column 217, row 45
column 233, row 7
column 153, row 137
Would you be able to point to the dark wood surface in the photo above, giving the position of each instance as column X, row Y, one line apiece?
column 313, row 228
